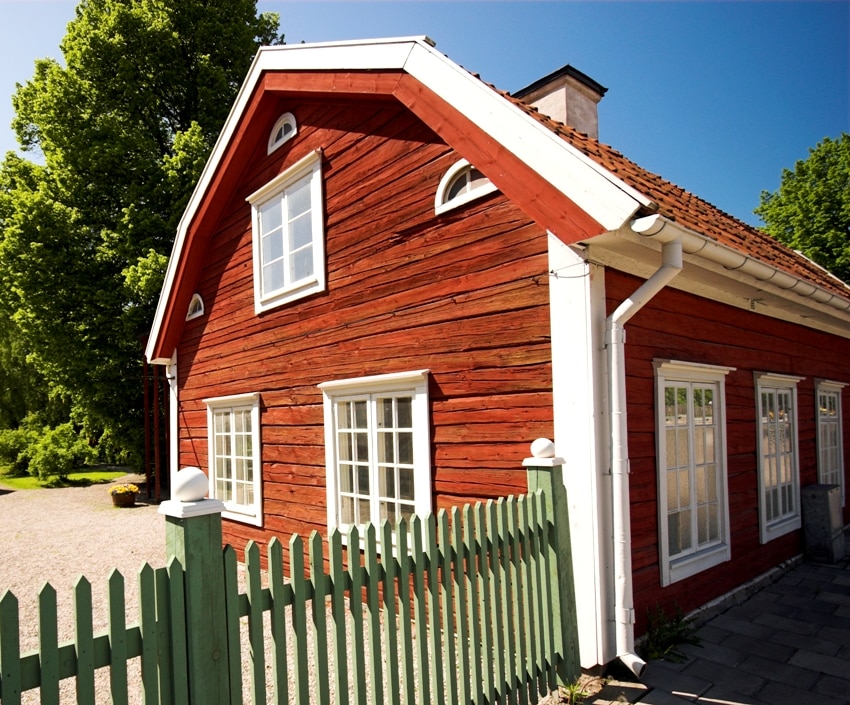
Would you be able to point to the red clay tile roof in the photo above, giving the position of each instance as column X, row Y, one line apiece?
column 692, row 212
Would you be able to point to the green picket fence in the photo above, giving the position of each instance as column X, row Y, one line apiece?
column 468, row 606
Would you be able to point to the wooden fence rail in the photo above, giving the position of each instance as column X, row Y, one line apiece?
column 468, row 606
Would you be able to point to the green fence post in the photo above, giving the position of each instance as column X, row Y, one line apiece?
column 545, row 472
column 193, row 536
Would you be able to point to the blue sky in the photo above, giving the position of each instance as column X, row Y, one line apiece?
column 717, row 97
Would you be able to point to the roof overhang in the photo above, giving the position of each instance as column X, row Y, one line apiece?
column 723, row 274
column 562, row 189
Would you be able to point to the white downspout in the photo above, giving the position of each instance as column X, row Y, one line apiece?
column 615, row 335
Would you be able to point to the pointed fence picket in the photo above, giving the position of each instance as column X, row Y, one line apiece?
column 471, row 605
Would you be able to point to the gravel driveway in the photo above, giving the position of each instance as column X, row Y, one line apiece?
column 56, row 536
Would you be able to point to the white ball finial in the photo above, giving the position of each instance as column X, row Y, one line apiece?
column 190, row 485
column 543, row 448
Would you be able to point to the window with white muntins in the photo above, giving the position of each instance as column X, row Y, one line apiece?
column 288, row 235
column 779, row 472
column 693, row 506
column 234, row 455
column 377, row 446
column 830, row 435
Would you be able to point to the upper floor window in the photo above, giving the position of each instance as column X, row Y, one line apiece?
column 461, row 184
column 288, row 235
column 233, row 425
column 283, row 131
column 830, row 435
column 779, row 471
column 693, row 505
column 377, row 445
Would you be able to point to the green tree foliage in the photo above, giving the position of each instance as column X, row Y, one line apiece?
column 811, row 210
column 118, row 137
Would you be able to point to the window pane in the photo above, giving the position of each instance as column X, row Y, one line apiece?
column 272, row 247
column 363, row 480
column 298, row 198
column 702, row 525
column 300, row 233
column 271, row 216
column 405, row 484
column 301, row 265
column 405, row 412
column 273, row 276
column 387, row 482
column 346, row 510
column 346, row 478
column 386, row 447
column 385, row 413
column 343, row 414
column 406, row 511
column 387, row 510
column 363, row 511
column 684, row 489
column 685, row 529
column 360, row 414
column 673, row 541
column 405, row 447
column 672, row 491
column 682, row 447
column 362, row 446
column 345, row 446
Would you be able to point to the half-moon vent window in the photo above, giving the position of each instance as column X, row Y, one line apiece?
column 461, row 184
column 196, row 307
column 283, row 131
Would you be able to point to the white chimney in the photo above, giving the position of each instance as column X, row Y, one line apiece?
column 569, row 96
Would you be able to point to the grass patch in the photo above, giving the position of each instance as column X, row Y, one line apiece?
column 81, row 478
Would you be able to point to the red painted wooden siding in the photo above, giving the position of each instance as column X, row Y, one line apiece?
column 680, row 326
column 464, row 294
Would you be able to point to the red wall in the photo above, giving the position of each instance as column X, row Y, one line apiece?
column 464, row 294
column 680, row 326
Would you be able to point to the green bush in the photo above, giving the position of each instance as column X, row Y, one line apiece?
column 43, row 451
column 57, row 452
column 15, row 449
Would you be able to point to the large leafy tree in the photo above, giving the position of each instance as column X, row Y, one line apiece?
column 118, row 136
column 810, row 211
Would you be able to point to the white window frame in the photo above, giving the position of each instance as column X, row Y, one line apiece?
column 442, row 203
column 246, row 513
column 307, row 169
column 767, row 382
column 283, row 120
column 415, row 384
column 196, row 307
column 698, row 559
column 826, row 469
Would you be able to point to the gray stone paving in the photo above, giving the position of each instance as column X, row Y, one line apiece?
column 788, row 644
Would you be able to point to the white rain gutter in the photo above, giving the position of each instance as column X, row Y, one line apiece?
column 615, row 338
column 659, row 228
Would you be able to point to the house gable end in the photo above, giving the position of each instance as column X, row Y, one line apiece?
column 408, row 71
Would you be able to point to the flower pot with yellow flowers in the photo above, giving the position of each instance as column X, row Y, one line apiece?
column 124, row 495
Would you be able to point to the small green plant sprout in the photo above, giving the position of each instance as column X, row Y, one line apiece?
column 665, row 634
column 573, row 693
column 126, row 488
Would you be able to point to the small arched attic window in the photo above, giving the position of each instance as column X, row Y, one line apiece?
column 284, row 130
column 196, row 307
column 461, row 184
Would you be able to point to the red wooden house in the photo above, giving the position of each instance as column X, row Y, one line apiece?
column 392, row 278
